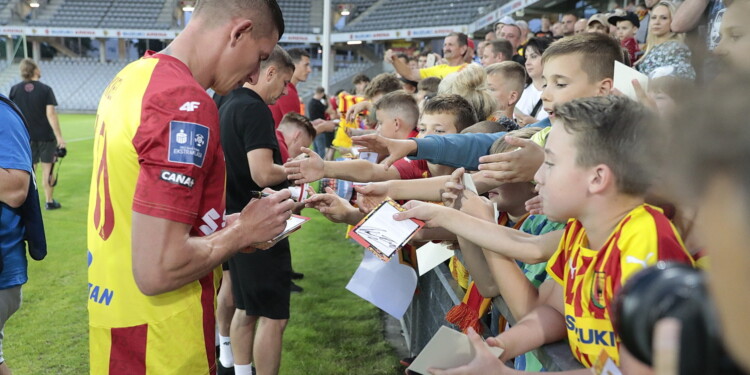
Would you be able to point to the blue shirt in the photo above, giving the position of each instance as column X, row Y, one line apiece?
column 16, row 154
column 460, row 150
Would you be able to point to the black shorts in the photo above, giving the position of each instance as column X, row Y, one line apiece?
column 43, row 151
column 261, row 281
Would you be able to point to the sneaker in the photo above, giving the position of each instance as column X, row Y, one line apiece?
column 297, row 275
column 52, row 205
column 294, row 288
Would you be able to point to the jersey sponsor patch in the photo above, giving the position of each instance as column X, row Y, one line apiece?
column 187, row 143
column 177, row 178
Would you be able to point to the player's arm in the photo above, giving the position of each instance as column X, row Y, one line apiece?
column 402, row 68
column 55, row 123
column 166, row 257
column 14, row 186
column 506, row 241
column 262, row 169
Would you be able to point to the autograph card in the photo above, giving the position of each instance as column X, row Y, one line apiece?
column 292, row 224
column 468, row 183
column 447, row 349
column 382, row 235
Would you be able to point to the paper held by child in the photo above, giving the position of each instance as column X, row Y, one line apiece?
column 624, row 76
column 381, row 234
column 432, row 255
column 447, row 349
column 468, row 183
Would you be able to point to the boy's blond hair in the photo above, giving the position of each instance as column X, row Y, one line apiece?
column 28, row 69
column 382, row 84
column 400, row 104
column 471, row 84
column 488, row 127
column 500, row 146
column 598, row 51
column 615, row 131
column 512, row 72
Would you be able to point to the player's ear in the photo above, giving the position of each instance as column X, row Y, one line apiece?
column 271, row 72
column 241, row 29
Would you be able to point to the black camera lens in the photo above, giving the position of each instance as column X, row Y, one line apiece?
column 61, row 152
column 672, row 290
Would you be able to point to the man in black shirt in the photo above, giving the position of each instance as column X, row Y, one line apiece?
column 260, row 280
column 37, row 103
column 316, row 110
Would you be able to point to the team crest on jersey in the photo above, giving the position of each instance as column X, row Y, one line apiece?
column 187, row 143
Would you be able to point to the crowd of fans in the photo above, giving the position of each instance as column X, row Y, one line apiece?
column 575, row 192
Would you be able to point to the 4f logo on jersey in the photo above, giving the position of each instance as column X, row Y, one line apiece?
column 190, row 106
column 187, row 143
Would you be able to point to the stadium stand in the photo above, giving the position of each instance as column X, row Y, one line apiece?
column 78, row 83
column 130, row 14
column 296, row 15
column 398, row 14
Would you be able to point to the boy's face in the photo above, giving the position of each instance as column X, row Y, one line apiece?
column 512, row 197
column 564, row 80
column 436, row 124
column 625, row 30
column 387, row 124
column 562, row 183
column 734, row 46
column 597, row 27
column 499, row 91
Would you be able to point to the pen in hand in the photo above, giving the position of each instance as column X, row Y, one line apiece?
column 258, row 194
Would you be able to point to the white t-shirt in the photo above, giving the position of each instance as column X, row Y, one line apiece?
column 529, row 98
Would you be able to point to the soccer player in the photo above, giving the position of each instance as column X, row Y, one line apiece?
column 156, row 226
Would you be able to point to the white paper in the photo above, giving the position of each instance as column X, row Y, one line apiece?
column 431, row 255
column 291, row 224
column 468, row 183
column 383, row 232
column 497, row 212
column 299, row 193
column 624, row 76
column 389, row 286
column 447, row 349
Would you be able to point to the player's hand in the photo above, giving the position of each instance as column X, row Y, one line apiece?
column 518, row 165
column 428, row 212
column 304, row 171
column 263, row 219
column 353, row 111
column 60, row 142
column 371, row 195
column 333, row 207
column 483, row 363
column 394, row 148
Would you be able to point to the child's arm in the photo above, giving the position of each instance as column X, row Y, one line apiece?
column 334, row 208
column 509, row 242
column 313, row 168
column 519, row 294
column 434, row 234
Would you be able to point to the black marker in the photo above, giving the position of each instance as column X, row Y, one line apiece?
column 258, row 194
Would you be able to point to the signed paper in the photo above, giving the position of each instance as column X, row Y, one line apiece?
column 383, row 235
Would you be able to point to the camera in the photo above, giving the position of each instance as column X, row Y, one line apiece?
column 60, row 152
column 672, row 290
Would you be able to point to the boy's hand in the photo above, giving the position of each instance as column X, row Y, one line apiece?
column 303, row 171
column 353, row 111
column 333, row 207
column 534, row 206
column 370, row 196
column 453, row 190
column 513, row 166
column 429, row 213
column 483, row 363
column 394, row 148
column 643, row 97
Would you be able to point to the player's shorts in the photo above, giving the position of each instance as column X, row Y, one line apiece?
column 261, row 281
column 43, row 151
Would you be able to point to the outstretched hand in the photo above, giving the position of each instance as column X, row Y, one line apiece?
column 333, row 207
column 518, row 165
column 430, row 213
column 305, row 170
column 371, row 195
column 394, row 148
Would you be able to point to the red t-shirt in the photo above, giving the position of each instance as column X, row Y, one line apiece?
column 282, row 146
column 412, row 169
column 631, row 45
column 285, row 104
